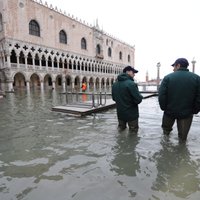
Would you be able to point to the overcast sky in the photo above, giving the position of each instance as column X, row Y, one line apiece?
column 161, row 30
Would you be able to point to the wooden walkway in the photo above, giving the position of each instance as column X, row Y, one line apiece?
column 87, row 108
column 82, row 109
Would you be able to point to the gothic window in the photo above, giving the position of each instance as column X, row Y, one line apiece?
column 63, row 37
column 109, row 52
column 37, row 60
column 29, row 59
column 120, row 55
column 129, row 58
column 13, row 57
column 1, row 23
column 34, row 28
column 21, row 58
column 98, row 49
column 83, row 43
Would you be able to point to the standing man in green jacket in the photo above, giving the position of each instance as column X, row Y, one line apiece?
column 179, row 98
column 127, row 97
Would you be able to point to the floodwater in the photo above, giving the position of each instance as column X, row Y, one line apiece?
column 46, row 155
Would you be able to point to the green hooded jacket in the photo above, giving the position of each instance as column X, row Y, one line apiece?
column 179, row 94
column 127, row 97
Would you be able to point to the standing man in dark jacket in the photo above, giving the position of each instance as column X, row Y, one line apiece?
column 127, row 97
column 179, row 98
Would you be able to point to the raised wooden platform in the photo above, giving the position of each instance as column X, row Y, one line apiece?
column 82, row 109
column 86, row 108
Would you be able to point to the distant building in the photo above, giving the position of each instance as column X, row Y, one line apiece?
column 41, row 46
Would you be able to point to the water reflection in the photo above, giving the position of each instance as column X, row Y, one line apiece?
column 44, row 153
column 126, row 160
column 177, row 172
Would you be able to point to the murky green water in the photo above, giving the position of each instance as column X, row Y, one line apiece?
column 46, row 155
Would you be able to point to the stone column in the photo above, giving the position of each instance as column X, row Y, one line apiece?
column 41, row 85
column 40, row 62
column 17, row 61
column 8, row 61
column 33, row 61
column 63, row 84
column 26, row 66
column 46, row 64
column 10, row 86
column 63, row 65
column 52, row 65
column 72, row 85
column 28, row 85
column 53, row 84
column 100, row 89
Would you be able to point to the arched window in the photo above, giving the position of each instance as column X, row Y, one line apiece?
column 109, row 52
column 129, row 58
column 98, row 49
column 63, row 37
column 83, row 43
column 1, row 23
column 120, row 55
column 34, row 28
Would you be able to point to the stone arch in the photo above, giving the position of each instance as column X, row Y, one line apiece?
column 112, row 81
column 84, row 79
column 58, row 80
column 19, row 80
column 34, row 80
column 97, row 82
column 107, row 83
column 102, row 83
column 77, row 83
column 91, row 83
column 48, row 82
column 68, row 80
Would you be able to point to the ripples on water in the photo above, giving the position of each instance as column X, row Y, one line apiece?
column 49, row 155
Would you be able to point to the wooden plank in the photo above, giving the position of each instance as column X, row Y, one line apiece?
column 81, row 109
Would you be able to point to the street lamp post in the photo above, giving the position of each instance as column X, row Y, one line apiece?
column 158, row 74
column 193, row 65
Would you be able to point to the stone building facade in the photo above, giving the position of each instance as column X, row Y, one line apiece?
column 43, row 47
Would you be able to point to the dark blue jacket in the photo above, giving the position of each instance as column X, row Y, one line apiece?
column 179, row 94
column 127, row 97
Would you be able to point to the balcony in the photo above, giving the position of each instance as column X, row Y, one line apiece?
column 99, row 56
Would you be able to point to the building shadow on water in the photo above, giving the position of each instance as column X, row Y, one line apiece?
column 126, row 159
column 177, row 173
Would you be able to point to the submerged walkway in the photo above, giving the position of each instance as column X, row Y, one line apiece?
column 89, row 107
column 81, row 109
